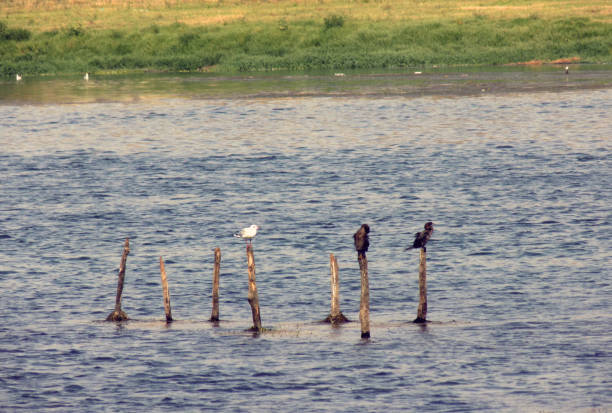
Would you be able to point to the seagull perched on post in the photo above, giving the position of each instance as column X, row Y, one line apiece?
column 362, row 242
column 247, row 233
column 421, row 238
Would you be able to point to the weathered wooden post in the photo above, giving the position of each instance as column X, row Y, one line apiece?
column 422, row 309
column 214, row 317
column 118, row 314
column 164, row 281
column 335, row 316
column 362, row 243
column 420, row 241
column 364, row 307
column 253, row 298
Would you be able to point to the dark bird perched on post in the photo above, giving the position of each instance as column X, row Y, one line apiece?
column 361, row 239
column 421, row 238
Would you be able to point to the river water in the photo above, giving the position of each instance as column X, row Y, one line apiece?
column 519, row 280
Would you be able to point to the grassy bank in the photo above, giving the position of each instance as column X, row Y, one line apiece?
column 70, row 36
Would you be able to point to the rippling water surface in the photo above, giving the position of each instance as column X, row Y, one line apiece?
column 519, row 279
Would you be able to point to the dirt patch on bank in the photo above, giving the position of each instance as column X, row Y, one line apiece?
column 537, row 62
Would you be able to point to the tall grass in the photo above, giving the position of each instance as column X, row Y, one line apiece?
column 335, row 37
column 117, row 14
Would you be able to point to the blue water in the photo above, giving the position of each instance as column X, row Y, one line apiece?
column 519, row 266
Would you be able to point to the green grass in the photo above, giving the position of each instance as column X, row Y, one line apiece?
column 331, row 41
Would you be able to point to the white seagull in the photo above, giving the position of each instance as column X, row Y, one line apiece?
column 247, row 233
column 18, row 77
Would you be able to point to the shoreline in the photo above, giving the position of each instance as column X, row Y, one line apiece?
column 138, row 87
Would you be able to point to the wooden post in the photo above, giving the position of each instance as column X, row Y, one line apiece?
column 117, row 314
column 164, row 281
column 335, row 316
column 214, row 317
column 422, row 310
column 253, row 298
column 364, row 308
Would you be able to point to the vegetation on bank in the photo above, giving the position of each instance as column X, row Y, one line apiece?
column 336, row 35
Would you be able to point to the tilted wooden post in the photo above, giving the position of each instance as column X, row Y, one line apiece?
column 422, row 309
column 164, row 281
column 118, row 314
column 214, row 317
column 364, row 308
column 335, row 316
column 253, row 298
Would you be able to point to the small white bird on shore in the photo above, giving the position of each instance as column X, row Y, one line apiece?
column 247, row 233
column 86, row 77
column 18, row 77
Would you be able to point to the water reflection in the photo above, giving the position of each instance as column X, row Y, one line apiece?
column 134, row 88
column 517, row 184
